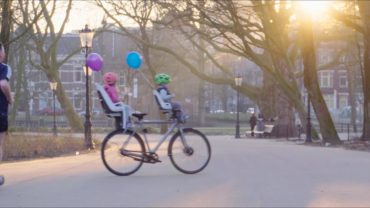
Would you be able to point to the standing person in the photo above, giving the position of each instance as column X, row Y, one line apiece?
column 260, row 123
column 5, row 101
column 252, row 123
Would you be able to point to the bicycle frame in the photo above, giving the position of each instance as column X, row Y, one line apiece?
column 142, row 153
column 142, row 123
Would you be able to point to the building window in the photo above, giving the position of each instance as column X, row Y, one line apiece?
column 329, row 100
column 77, row 102
column 326, row 79
column 66, row 76
column 343, row 100
column 342, row 59
column 121, row 79
column 67, row 67
column 78, row 76
column 324, row 59
column 343, row 81
column 34, row 76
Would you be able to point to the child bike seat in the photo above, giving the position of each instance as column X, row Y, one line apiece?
column 163, row 106
column 110, row 109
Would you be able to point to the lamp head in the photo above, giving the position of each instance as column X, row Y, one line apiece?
column 86, row 37
column 238, row 80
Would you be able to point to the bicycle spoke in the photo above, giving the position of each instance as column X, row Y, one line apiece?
column 191, row 152
column 122, row 156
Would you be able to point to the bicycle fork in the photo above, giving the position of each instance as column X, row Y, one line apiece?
column 187, row 149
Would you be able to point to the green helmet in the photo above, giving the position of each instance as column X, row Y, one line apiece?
column 162, row 78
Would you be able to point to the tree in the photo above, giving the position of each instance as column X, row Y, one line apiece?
column 361, row 24
column 365, row 15
column 353, row 66
column 142, row 14
column 6, row 24
column 253, row 30
column 44, row 44
column 326, row 123
column 10, row 18
column 243, row 30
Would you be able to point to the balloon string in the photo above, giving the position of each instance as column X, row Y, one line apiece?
column 142, row 74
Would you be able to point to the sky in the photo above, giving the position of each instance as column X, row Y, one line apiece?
column 83, row 12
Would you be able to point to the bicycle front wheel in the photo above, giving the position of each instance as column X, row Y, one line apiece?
column 190, row 151
column 122, row 152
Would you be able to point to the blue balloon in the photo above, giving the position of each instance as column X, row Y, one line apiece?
column 133, row 60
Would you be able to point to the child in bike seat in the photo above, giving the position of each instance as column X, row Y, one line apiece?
column 162, row 80
column 110, row 80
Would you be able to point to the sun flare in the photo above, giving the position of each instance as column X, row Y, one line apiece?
column 315, row 8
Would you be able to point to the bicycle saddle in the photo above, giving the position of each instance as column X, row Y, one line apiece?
column 139, row 116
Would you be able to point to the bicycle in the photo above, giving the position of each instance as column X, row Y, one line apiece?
column 123, row 150
column 185, row 148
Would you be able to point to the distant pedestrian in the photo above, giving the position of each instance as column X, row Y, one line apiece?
column 5, row 101
column 252, row 123
column 260, row 123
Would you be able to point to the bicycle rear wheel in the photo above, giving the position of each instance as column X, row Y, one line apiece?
column 122, row 152
column 190, row 152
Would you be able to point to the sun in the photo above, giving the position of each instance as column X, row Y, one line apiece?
column 314, row 8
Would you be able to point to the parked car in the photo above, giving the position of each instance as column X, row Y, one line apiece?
column 218, row 111
column 250, row 110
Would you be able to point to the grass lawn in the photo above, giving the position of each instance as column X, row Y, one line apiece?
column 221, row 130
column 23, row 147
column 211, row 130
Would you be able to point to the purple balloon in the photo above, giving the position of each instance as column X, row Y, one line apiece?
column 94, row 61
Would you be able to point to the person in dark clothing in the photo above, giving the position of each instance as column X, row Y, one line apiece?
column 252, row 123
column 5, row 100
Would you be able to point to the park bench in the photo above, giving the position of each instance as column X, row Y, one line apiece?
column 265, row 133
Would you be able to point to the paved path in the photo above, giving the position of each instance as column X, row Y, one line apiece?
column 244, row 172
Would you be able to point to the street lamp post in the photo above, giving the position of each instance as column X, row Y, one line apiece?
column 238, row 83
column 53, row 87
column 86, row 37
column 308, row 126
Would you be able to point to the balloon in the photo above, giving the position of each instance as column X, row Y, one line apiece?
column 94, row 61
column 133, row 60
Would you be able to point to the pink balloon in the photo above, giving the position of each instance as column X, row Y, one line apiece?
column 94, row 61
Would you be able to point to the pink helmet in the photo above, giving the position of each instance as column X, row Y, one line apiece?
column 110, row 78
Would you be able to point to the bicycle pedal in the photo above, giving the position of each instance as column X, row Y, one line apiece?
column 157, row 160
column 137, row 159
column 154, row 161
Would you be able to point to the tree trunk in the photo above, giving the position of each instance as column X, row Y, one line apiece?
column 267, row 100
column 201, row 94
column 224, row 98
column 20, row 77
column 73, row 119
column 201, row 104
column 6, row 25
column 163, row 127
column 366, row 88
column 352, row 97
column 365, row 16
column 327, row 128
